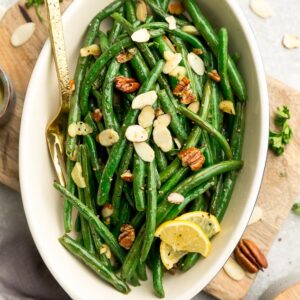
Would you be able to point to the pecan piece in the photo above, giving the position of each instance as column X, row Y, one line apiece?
column 176, row 8
column 127, row 176
column 214, row 75
column 184, row 92
column 250, row 257
column 192, row 157
column 97, row 115
column 126, row 85
column 125, row 56
column 127, row 236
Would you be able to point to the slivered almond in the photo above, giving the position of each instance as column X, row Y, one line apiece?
column 196, row 63
column 194, row 107
column 175, row 198
column 158, row 112
column 177, row 143
column 92, row 50
column 108, row 137
column 127, row 176
column 261, row 8
column 22, row 34
column 141, row 36
column 175, row 8
column 77, row 177
column 168, row 55
column 179, row 72
column 79, row 128
column 162, row 138
column 256, row 215
column 291, row 41
column 144, row 151
column 171, row 21
column 172, row 63
column 234, row 270
column 162, row 120
column 126, row 56
column 166, row 39
column 136, row 133
column 144, row 99
column 141, row 11
column 190, row 29
column 227, row 107
column 146, row 116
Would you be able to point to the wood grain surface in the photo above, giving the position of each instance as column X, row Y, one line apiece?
column 279, row 188
column 291, row 293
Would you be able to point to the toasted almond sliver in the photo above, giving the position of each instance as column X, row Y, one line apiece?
column 136, row 133
column 144, row 151
column 170, row 65
column 291, row 41
column 227, row 107
column 79, row 128
column 177, row 143
column 196, row 63
column 234, row 270
column 141, row 36
column 141, row 10
column 172, row 22
column 159, row 112
column 144, row 99
column 108, row 137
column 190, row 29
column 92, row 50
column 146, row 116
column 22, row 34
column 179, row 72
column 162, row 138
column 194, row 107
column 77, row 177
column 256, row 215
column 175, row 198
column 162, row 120
column 168, row 55
column 261, row 8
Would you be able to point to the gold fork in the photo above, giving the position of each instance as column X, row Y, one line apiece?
column 56, row 129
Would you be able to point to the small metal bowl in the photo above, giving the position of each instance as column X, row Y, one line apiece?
column 9, row 98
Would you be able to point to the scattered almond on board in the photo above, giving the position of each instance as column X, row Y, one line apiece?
column 22, row 34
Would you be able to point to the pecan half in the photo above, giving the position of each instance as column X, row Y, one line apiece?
column 250, row 257
column 127, row 176
column 192, row 157
column 176, row 8
column 214, row 75
column 184, row 92
column 127, row 236
column 126, row 85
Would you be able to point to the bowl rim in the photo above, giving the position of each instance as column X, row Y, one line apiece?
column 257, row 181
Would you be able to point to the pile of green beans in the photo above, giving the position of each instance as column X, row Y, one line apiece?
column 108, row 200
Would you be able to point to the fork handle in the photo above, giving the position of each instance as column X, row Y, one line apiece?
column 59, row 50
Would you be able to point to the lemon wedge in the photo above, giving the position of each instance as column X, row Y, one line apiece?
column 168, row 256
column 208, row 222
column 184, row 236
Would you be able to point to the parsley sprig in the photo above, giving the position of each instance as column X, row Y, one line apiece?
column 37, row 5
column 280, row 138
column 296, row 208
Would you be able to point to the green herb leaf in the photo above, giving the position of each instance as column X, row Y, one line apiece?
column 296, row 208
column 282, row 115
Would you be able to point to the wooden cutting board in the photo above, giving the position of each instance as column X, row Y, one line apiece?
column 279, row 188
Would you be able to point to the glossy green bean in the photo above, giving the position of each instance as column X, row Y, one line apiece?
column 130, row 11
column 157, row 271
column 161, row 160
column 139, row 169
column 141, row 271
column 115, row 30
column 103, row 41
column 70, row 185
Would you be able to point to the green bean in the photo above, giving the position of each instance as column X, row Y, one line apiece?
column 124, row 217
column 216, row 197
column 161, row 13
column 103, row 41
column 96, row 68
column 130, row 11
column 134, row 280
column 116, row 29
column 128, row 193
column 92, row 262
column 77, row 225
column 160, row 158
column 157, row 271
column 140, row 67
column 137, row 220
column 209, row 128
column 199, row 204
column 118, row 187
column 169, row 108
column 141, row 271
column 88, row 214
column 70, row 185
column 223, row 64
column 131, row 261
column 118, row 148
column 139, row 169
column 211, row 38
column 109, row 117
column 164, row 4
column 125, row 71
column 237, row 139
column 151, row 211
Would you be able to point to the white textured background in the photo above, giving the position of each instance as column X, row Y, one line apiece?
column 284, row 258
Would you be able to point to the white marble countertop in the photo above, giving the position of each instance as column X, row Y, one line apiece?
column 283, row 64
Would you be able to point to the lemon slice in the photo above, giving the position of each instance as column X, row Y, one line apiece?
column 208, row 222
column 184, row 236
column 169, row 257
